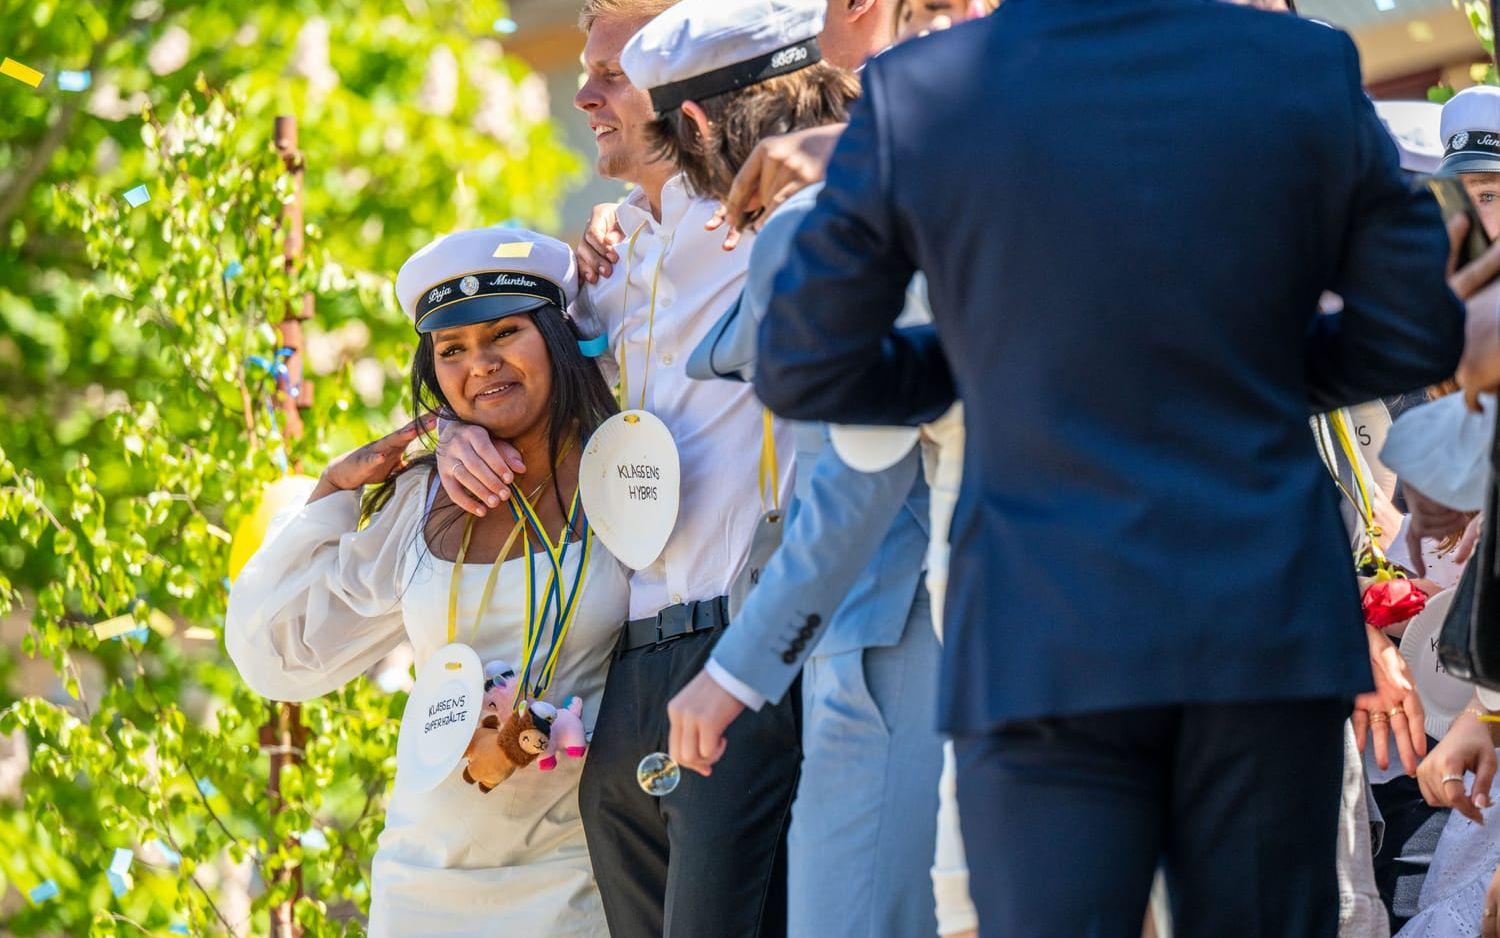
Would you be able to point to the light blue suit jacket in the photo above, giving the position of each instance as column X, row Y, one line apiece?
column 850, row 560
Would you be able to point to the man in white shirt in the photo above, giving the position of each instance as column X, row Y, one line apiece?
column 708, row 859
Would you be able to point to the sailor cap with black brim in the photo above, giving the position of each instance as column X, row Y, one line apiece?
column 700, row 48
column 485, row 274
column 1471, row 132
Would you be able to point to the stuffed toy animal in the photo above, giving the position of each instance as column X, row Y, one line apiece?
column 505, row 739
column 567, row 734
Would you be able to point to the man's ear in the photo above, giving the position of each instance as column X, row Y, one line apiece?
column 858, row 8
column 699, row 118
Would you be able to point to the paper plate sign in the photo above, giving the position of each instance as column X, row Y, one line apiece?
column 872, row 449
column 629, row 479
column 1443, row 695
column 440, row 717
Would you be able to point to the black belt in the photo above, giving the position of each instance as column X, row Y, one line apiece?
column 676, row 621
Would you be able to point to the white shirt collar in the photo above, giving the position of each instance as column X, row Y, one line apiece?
column 635, row 211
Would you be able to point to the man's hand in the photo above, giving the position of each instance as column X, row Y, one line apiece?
column 596, row 252
column 777, row 169
column 700, row 713
column 1429, row 519
column 1394, row 703
column 372, row 463
column 1468, row 747
column 476, row 471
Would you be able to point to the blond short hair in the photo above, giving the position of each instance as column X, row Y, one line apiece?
column 593, row 10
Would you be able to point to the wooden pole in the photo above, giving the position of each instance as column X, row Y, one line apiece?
column 284, row 737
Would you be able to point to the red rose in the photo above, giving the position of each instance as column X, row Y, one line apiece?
column 1390, row 602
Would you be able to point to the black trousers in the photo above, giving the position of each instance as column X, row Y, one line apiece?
column 709, row 859
column 1065, row 820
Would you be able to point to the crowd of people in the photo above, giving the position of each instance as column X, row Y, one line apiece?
column 1066, row 423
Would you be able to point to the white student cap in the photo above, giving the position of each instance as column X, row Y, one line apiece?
column 1471, row 131
column 699, row 48
column 485, row 274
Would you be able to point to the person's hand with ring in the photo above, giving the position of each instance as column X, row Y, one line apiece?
column 1392, row 709
column 1468, row 747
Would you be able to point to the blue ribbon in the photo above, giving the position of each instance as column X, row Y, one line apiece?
column 593, row 348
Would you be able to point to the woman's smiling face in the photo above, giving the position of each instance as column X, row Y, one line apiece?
column 496, row 374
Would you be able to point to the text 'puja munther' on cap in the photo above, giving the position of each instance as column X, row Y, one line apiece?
column 517, row 287
column 485, row 274
column 700, row 48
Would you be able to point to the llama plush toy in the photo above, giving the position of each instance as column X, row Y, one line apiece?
column 505, row 740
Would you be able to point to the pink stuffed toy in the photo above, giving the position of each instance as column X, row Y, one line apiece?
column 567, row 734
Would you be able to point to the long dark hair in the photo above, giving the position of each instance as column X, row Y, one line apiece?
column 581, row 400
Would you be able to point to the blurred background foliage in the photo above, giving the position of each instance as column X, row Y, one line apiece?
column 136, row 434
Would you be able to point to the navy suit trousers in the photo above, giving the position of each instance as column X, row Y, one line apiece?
column 1066, row 819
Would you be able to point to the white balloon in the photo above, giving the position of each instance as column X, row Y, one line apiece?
column 872, row 449
column 630, row 478
column 440, row 717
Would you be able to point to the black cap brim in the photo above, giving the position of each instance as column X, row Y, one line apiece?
column 479, row 309
column 1469, row 161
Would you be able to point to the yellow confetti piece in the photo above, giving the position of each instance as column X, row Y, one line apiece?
column 220, row 533
column 514, row 249
column 198, row 633
column 113, row 628
column 161, row 623
column 21, row 73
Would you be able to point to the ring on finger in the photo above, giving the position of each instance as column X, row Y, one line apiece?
column 1378, row 717
column 1395, row 711
column 1453, row 778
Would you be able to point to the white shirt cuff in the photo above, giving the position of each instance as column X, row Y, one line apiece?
column 741, row 691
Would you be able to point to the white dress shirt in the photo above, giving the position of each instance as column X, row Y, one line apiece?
column 716, row 424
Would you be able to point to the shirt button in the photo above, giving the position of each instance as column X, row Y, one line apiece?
column 668, row 359
column 676, row 598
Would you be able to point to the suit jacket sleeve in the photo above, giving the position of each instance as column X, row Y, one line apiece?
column 827, row 350
column 1401, row 327
column 832, row 536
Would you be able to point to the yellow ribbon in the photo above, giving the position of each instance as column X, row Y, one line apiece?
column 567, row 608
column 1364, row 504
column 622, row 358
column 770, row 474
column 489, row 583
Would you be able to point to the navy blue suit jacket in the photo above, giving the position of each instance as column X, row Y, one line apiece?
column 1127, row 211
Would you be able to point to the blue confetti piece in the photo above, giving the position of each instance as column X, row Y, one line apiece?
column 167, row 853
column 593, row 348
column 138, row 196
column 137, row 634
column 234, row 269
column 42, row 893
column 207, row 787
column 178, row 928
column 120, row 865
column 505, row 26
column 118, row 884
column 314, row 839
column 74, row 81
column 511, row 223
column 224, row 582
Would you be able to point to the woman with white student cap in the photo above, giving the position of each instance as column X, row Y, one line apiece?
column 483, row 830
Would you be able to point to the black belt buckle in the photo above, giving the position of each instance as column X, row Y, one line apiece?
column 670, row 622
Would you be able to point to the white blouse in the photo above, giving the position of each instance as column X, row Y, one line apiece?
column 321, row 602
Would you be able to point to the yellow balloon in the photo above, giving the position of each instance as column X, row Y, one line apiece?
column 277, row 497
